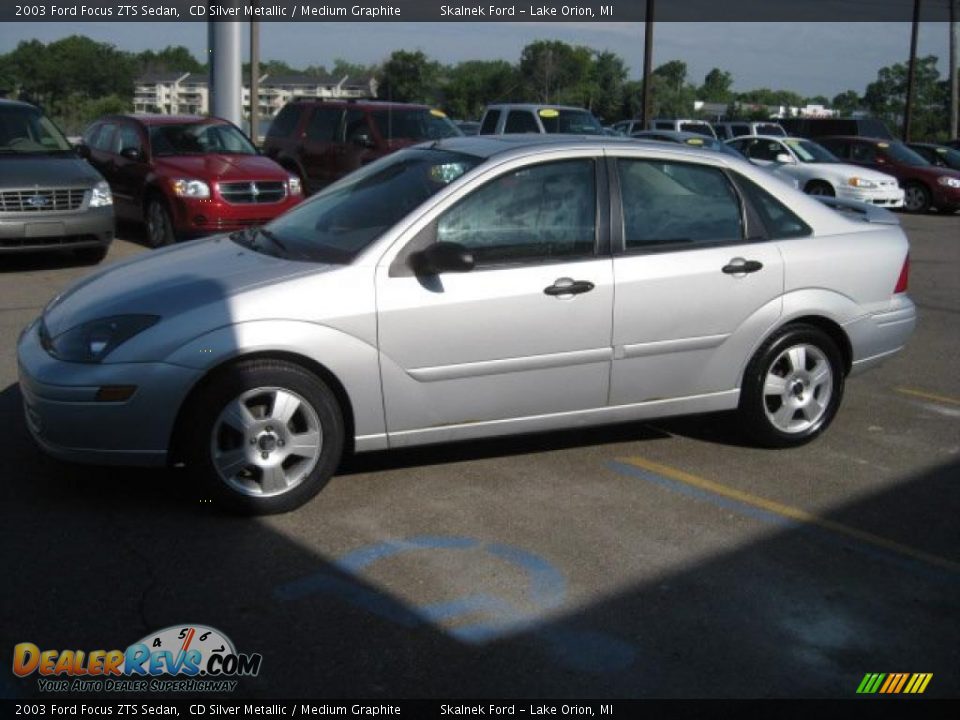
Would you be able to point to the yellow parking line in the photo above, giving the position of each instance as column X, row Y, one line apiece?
column 928, row 396
column 791, row 512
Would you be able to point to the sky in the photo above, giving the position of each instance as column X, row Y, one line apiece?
column 809, row 58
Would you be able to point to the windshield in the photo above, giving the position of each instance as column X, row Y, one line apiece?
column 337, row 224
column 698, row 128
column 810, row 152
column 770, row 129
column 199, row 139
column 574, row 122
column 414, row 124
column 900, row 153
column 950, row 157
column 25, row 131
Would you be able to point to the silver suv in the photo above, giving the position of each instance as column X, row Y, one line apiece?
column 50, row 198
column 518, row 118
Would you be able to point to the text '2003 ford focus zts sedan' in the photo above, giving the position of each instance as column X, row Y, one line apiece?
column 471, row 288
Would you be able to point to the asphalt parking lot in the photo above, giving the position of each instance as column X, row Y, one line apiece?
column 642, row 560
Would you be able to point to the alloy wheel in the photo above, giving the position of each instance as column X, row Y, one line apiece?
column 797, row 388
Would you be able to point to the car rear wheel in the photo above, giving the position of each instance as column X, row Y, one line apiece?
column 916, row 198
column 818, row 187
column 159, row 224
column 267, row 437
column 792, row 387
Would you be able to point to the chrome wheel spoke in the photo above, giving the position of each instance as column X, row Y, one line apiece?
column 774, row 385
column 274, row 479
column 784, row 415
column 231, row 462
column 820, row 375
column 304, row 445
column 237, row 415
column 285, row 406
column 798, row 357
column 813, row 409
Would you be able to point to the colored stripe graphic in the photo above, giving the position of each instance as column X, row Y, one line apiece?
column 776, row 510
column 894, row 683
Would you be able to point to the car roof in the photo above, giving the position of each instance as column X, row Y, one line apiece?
column 862, row 138
column 358, row 103
column 16, row 103
column 680, row 135
column 150, row 119
column 488, row 146
column 533, row 106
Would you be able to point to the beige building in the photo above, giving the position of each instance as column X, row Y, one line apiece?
column 180, row 93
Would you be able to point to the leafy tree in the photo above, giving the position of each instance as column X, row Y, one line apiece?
column 608, row 74
column 409, row 77
column 717, row 86
column 555, row 72
column 170, row 59
column 885, row 98
column 847, row 102
column 473, row 84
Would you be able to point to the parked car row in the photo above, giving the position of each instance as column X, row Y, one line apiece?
column 189, row 176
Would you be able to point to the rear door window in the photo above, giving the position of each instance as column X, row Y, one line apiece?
column 521, row 121
column 676, row 206
column 285, row 122
column 490, row 120
column 323, row 125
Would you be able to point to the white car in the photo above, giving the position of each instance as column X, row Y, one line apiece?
column 820, row 172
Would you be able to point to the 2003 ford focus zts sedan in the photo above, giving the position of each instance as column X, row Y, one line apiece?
column 469, row 288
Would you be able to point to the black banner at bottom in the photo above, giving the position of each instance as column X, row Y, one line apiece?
column 206, row 708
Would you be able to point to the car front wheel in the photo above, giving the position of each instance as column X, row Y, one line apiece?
column 159, row 224
column 916, row 198
column 267, row 436
column 792, row 387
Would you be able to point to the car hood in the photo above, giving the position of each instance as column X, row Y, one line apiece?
column 46, row 171
column 169, row 282
column 222, row 167
column 843, row 171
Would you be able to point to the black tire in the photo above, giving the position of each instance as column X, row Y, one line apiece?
column 766, row 417
column 246, row 491
column 917, row 198
column 91, row 255
column 820, row 188
column 159, row 224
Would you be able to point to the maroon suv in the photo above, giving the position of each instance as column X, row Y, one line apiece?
column 187, row 175
column 925, row 185
column 323, row 140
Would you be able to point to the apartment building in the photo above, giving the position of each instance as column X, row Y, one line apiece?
column 181, row 93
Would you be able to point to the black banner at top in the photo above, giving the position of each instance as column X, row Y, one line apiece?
column 580, row 11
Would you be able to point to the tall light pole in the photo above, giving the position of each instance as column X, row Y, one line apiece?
column 647, row 61
column 911, row 72
column 226, row 76
column 254, row 77
column 954, row 80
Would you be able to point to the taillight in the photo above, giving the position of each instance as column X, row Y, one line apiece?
column 904, row 276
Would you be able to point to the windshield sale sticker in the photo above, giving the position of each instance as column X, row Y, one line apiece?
column 179, row 658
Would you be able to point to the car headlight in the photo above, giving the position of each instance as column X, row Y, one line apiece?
column 185, row 187
column 94, row 340
column 101, row 195
column 949, row 181
column 859, row 182
column 293, row 185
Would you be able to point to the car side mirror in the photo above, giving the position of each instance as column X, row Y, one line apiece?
column 784, row 159
column 441, row 257
column 83, row 150
column 131, row 153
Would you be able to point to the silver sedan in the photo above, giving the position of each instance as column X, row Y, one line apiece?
column 470, row 288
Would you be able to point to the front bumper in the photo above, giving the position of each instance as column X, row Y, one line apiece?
column 67, row 421
column 192, row 216
column 30, row 232
column 888, row 197
column 945, row 197
column 877, row 336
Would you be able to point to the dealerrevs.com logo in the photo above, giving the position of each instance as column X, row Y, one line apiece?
column 180, row 658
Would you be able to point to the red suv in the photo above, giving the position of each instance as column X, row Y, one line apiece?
column 187, row 175
column 323, row 140
column 924, row 184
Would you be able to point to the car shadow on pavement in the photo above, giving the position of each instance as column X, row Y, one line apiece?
column 101, row 557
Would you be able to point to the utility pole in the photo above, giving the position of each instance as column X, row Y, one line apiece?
column 911, row 72
column 954, row 81
column 254, row 77
column 647, row 62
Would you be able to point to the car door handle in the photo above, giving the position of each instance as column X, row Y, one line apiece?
column 739, row 266
column 568, row 286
